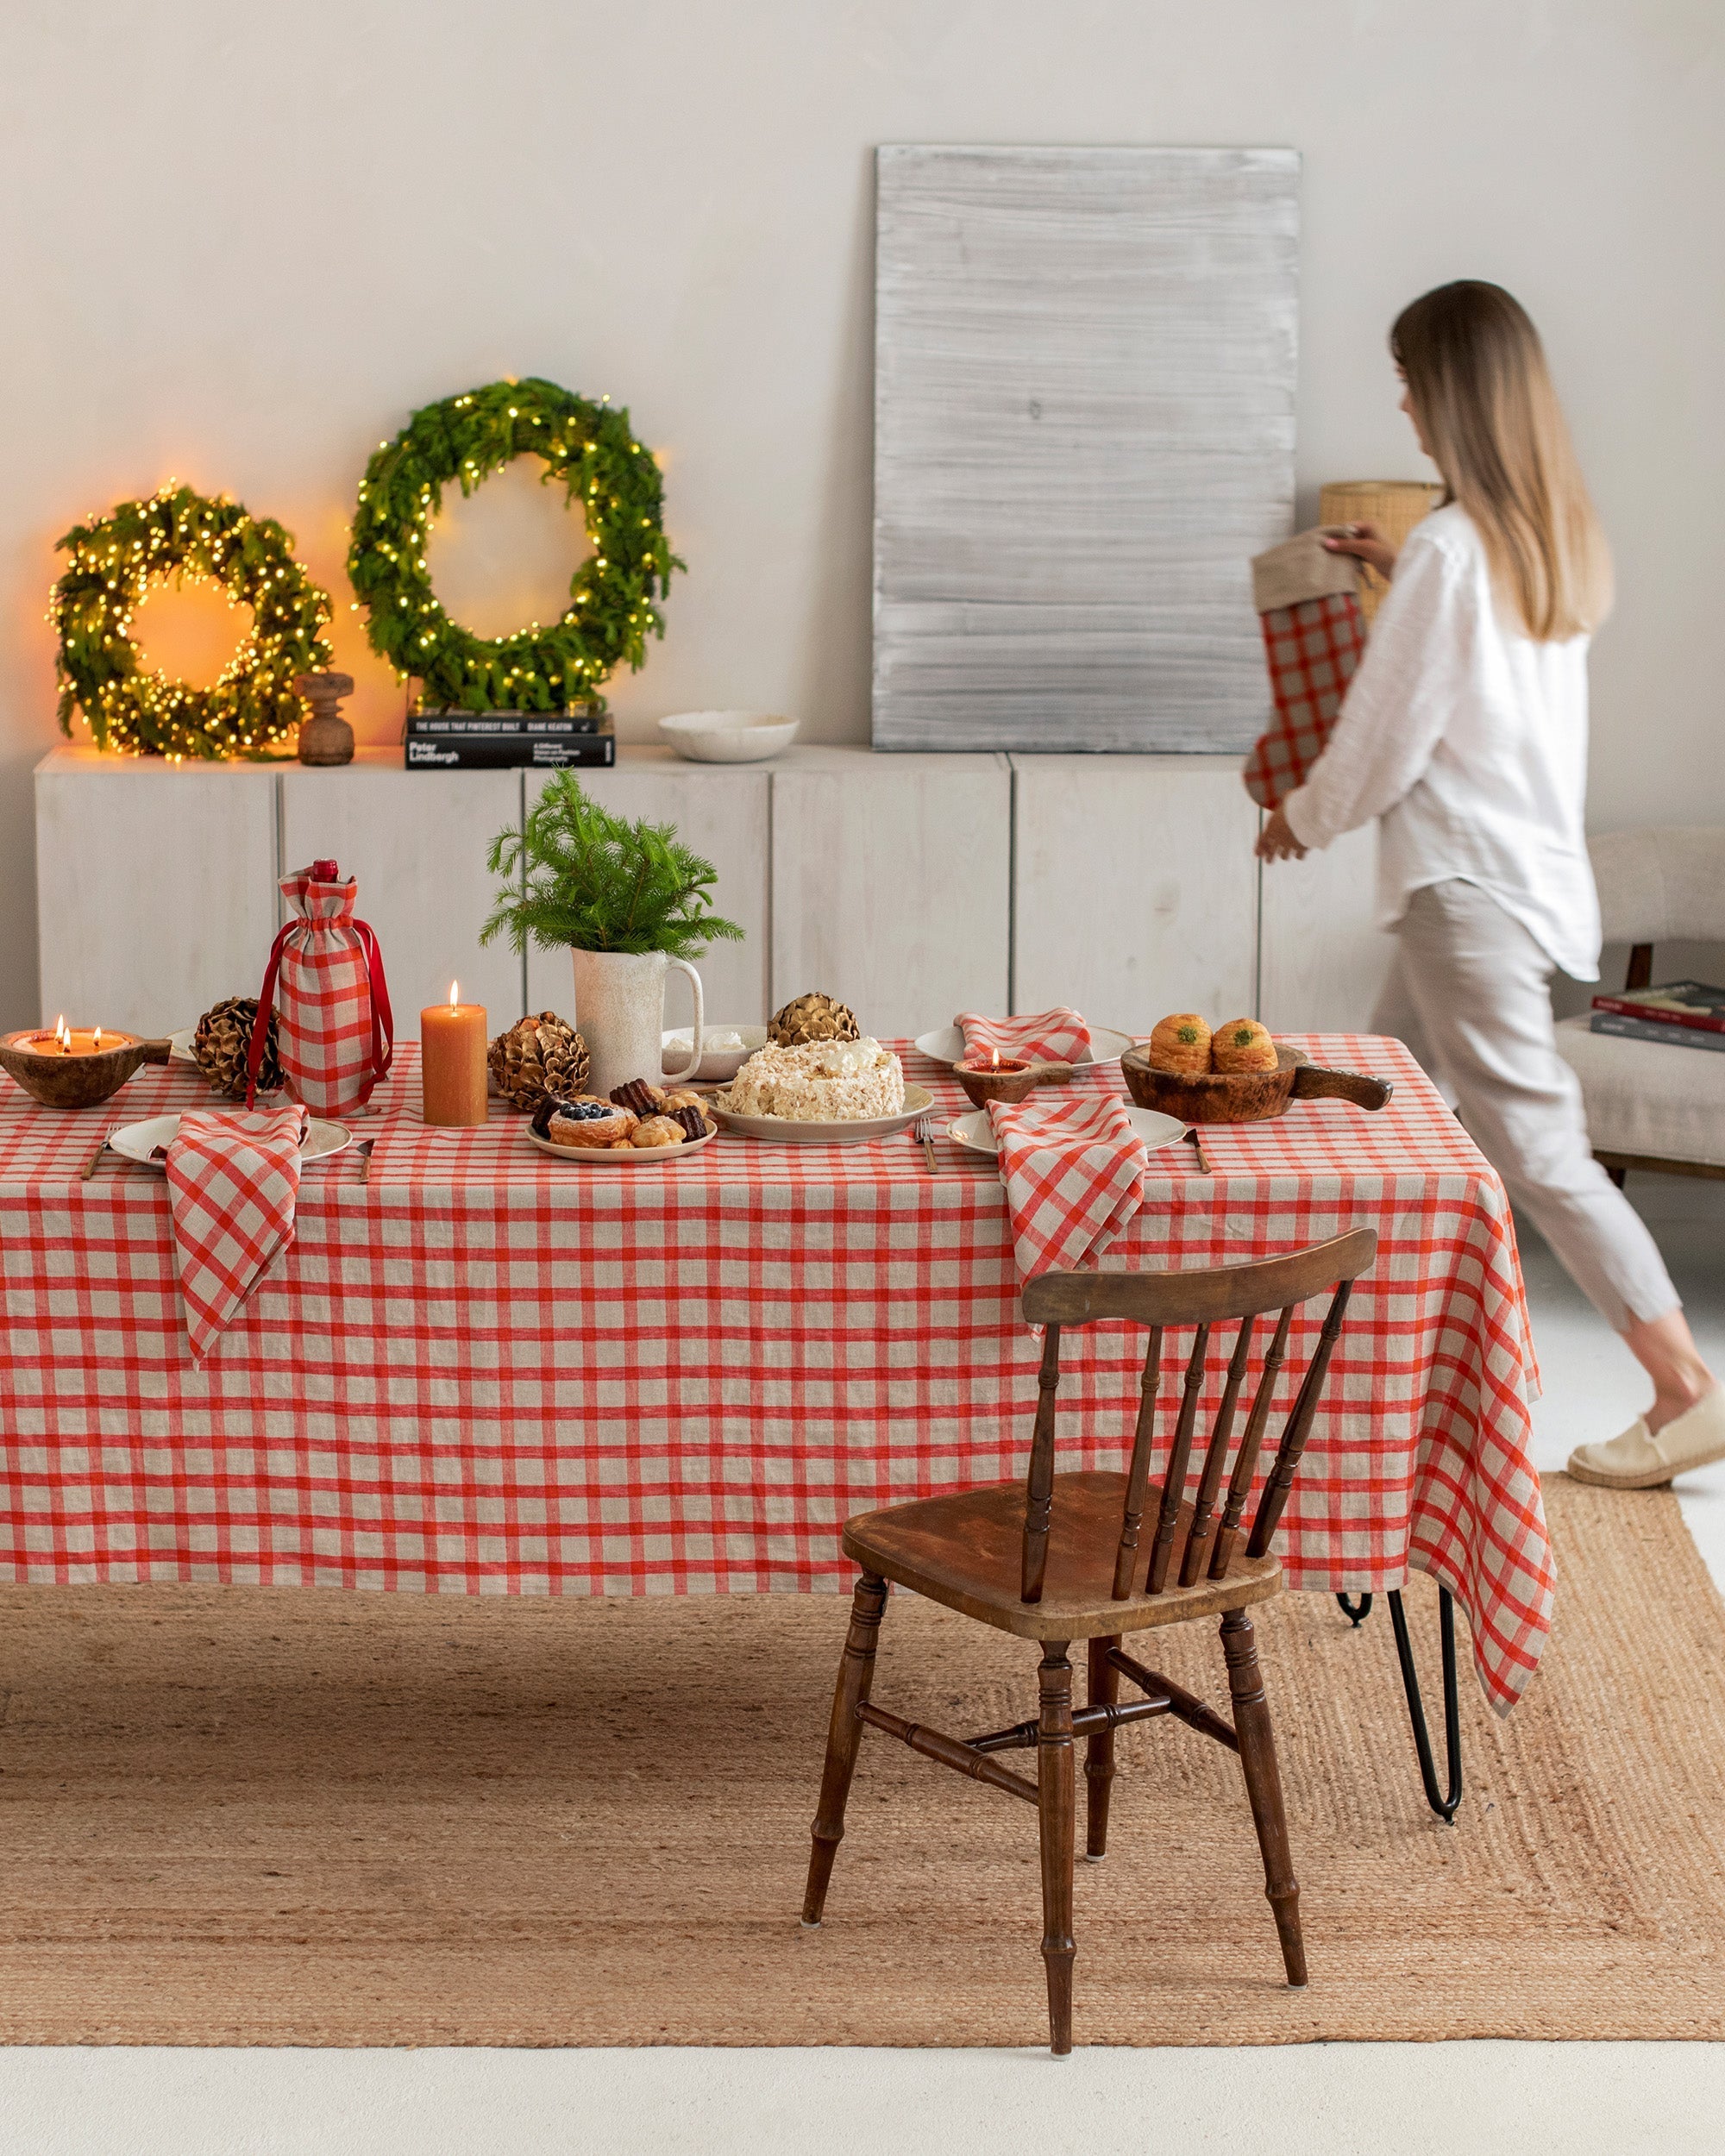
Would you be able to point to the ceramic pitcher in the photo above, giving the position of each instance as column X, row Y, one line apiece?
column 620, row 1010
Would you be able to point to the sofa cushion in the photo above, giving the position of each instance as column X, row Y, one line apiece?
column 1644, row 1097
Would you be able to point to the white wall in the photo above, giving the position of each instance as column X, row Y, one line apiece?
column 240, row 246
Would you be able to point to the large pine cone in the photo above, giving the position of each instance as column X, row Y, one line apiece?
column 814, row 1017
column 223, row 1040
column 538, row 1059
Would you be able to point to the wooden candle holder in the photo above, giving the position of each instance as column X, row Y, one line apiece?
column 1008, row 1080
column 74, row 1081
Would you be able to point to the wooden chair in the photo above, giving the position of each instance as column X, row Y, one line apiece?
column 1059, row 1560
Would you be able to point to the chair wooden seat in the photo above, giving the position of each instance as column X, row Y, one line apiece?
column 966, row 1551
column 1057, row 1558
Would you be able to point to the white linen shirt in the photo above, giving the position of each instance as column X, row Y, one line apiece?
column 1468, row 741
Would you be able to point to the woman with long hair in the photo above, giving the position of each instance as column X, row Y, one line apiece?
column 1464, row 733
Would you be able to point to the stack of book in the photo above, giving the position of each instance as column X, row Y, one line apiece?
column 1682, row 1014
column 501, row 741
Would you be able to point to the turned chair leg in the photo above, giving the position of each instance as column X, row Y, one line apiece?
column 844, row 1739
column 1264, row 1787
column 1099, row 1751
column 1055, row 1781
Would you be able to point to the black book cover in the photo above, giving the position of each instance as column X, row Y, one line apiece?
column 458, row 753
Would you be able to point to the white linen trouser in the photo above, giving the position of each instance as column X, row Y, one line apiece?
column 1469, row 994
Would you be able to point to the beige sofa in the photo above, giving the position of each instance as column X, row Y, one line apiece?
column 1649, row 1105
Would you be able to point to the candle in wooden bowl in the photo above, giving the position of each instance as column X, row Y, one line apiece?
column 997, row 1077
column 452, row 1061
column 66, row 1067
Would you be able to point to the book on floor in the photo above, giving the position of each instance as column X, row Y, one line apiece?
column 1627, row 1029
column 1690, row 1003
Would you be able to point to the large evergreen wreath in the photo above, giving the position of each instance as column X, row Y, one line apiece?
column 114, row 559
column 588, row 448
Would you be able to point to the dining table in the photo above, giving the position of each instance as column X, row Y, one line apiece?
column 480, row 1370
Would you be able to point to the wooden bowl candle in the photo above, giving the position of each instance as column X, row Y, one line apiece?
column 1246, row 1096
column 66, row 1069
column 1004, row 1078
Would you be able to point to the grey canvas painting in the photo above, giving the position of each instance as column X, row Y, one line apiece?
column 1083, row 430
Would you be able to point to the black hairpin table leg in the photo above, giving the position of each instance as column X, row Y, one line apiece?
column 1444, row 1806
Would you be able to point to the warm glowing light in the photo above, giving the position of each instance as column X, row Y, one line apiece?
column 454, row 993
column 95, row 1037
column 994, row 1058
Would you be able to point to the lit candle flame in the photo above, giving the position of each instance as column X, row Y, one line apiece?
column 62, row 1035
column 95, row 1037
column 994, row 1058
column 454, row 993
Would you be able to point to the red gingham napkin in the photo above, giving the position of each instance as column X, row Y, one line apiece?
column 1059, row 1035
column 232, row 1181
column 1312, row 649
column 1074, row 1170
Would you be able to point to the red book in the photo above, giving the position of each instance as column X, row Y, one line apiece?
column 1678, row 1003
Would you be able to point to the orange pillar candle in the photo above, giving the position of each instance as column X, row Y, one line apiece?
column 452, row 1061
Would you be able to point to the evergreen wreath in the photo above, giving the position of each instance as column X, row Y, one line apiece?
column 116, row 559
column 587, row 448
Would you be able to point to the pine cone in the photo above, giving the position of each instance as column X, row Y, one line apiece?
column 223, row 1040
column 538, row 1059
column 814, row 1017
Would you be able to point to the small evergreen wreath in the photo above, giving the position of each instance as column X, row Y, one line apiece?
column 589, row 448
column 115, row 559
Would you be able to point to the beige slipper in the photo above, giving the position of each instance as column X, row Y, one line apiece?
column 1643, row 1460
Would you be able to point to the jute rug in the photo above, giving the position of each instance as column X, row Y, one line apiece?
column 235, row 1817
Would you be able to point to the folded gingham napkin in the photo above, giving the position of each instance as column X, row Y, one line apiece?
column 1059, row 1035
column 232, row 1183
column 1073, row 1169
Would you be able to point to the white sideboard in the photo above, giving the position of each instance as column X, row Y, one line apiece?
column 912, row 887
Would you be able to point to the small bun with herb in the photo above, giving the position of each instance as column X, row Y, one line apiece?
column 1242, row 1044
column 1181, row 1043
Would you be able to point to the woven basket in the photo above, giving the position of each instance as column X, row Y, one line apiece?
column 1394, row 505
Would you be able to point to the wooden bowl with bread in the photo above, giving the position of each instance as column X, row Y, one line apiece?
column 1256, row 1090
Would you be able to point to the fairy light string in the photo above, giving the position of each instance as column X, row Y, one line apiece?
column 113, row 562
column 587, row 449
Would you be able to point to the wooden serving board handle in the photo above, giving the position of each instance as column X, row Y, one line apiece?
column 156, row 1051
column 1313, row 1082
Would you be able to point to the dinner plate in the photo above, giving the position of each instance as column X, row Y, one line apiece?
column 137, row 1141
column 1151, row 1125
column 636, row 1156
column 1107, row 1046
column 778, row 1130
column 718, row 1066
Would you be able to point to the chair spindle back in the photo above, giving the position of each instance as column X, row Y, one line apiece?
column 1202, row 1299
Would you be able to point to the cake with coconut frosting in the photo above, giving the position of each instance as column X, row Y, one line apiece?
column 821, row 1081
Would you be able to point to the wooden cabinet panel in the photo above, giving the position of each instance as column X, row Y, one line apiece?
column 892, row 884
column 417, row 841
column 722, row 811
column 1136, row 891
column 1324, row 957
column 155, row 886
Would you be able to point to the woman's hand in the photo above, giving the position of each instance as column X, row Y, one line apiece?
column 1366, row 543
column 1276, row 842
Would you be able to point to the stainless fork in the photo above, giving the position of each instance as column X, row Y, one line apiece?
column 923, row 1131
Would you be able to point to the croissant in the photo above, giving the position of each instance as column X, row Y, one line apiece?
column 1242, row 1044
column 1180, row 1042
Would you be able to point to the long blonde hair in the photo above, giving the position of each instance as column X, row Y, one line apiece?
column 1477, row 374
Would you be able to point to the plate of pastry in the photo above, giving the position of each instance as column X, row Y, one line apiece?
column 977, row 1133
column 820, row 1093
column 641, row 1125
column 947, row 1045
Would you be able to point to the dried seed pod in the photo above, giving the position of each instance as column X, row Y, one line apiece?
column 538, row 1058
column 814, row 1017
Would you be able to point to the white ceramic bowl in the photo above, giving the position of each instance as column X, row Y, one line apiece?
column 728, row 736
column 718, row 1066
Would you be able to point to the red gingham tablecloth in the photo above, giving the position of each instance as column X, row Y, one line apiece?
column 483, row 1371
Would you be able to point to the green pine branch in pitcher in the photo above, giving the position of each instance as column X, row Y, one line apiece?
column 574, row 875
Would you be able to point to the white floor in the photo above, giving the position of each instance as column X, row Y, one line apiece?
column 1319, row 2100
